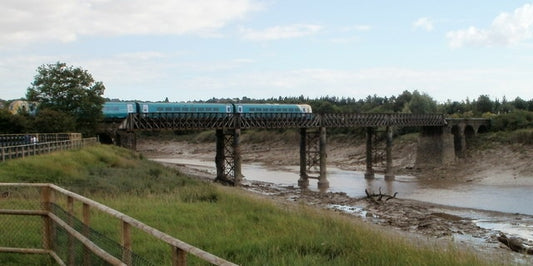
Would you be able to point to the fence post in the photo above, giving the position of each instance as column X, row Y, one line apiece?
column 86, row 213
column 70, row 209
column 126, row 243
column 179, row 257
column 47, row 198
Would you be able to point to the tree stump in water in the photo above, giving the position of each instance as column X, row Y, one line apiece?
column 515, row 244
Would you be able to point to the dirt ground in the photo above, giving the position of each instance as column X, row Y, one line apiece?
column 413, row 217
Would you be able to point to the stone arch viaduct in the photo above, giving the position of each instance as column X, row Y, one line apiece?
column 441, row 139
column 443, row 145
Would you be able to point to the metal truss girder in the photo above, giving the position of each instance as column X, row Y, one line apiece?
column 175, row 121
column 171, row 121
column 279, row 121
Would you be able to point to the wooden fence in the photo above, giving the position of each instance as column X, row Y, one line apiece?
column 29, row 138
column 21, row 151
column 48, row 201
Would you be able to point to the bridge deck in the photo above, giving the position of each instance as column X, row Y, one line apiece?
column 186, row 121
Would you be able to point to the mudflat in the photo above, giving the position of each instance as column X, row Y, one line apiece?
column 492, row 165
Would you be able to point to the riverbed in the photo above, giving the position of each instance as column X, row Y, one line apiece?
column 499, row 208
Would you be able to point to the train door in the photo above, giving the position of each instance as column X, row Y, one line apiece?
column 239, row 109
column 130, row 108
column 145, row 108
column 229, row 109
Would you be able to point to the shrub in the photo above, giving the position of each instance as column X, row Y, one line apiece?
column 513, row 121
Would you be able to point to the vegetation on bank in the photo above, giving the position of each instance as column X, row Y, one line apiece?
column 225, row 221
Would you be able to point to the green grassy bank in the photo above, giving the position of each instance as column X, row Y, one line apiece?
column 230, row 223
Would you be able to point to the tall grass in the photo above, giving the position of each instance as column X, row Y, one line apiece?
column 227, row 222
column 92, row 170
column 252, row 231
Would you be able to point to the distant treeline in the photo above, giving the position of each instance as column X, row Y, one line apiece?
column 506, row 114
column 406, row 102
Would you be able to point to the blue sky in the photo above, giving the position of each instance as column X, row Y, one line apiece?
column 196, row 50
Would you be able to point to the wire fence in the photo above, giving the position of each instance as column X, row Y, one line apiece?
column 68, row 229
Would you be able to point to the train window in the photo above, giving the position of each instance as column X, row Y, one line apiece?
column 271, row 109
column 265, row 109
column 168, row 109
column 185, row 109
column 193, row 109
column 176, row 109
column 208, row 109
column 201, row 109
column 159, row 109
column 252, row 109
column 216, row 109
column 284, row 110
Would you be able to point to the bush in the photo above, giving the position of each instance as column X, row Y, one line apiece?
column 513, row 121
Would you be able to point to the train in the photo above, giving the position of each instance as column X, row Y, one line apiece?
column 120, row 110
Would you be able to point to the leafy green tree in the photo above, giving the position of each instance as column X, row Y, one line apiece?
column 14, row 124
column 51, row 121
column 520, row 104
column 70, row 90
column 402, row 100
column 421, row 104
column 483, row 104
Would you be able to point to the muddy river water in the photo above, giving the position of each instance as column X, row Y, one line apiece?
column 490, row 206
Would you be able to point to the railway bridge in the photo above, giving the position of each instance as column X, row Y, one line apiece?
column 440, row 141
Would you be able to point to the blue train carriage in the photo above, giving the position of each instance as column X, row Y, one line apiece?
column 273, row 110
column 186, row 109
column 119, row 110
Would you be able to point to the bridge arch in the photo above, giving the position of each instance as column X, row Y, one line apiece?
column 482, row 129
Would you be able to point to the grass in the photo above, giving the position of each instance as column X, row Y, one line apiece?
column 228, row 222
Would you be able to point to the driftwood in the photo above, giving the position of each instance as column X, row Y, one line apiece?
column 380, row 196
column 515, row 244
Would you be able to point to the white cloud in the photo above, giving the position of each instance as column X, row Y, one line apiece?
column 506, row 29
column 423, row 23
column 38, row 20
column 281, row 32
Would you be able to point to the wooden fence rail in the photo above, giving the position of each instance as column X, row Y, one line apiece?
column 21, row 151
column 50, row 195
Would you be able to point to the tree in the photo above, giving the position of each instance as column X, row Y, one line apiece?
column 520, row 104
column 483, row 104
column 51, row 121
column 421, row 104
column 14, row 124
column 70, row 90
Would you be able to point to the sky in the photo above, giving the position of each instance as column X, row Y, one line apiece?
column 196, row 50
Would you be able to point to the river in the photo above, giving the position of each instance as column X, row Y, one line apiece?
column 490, row 206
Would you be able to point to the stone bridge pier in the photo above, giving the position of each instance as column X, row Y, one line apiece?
column 441, row 145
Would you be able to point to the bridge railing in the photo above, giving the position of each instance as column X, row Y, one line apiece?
column 74, row 230
column 21, row 151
